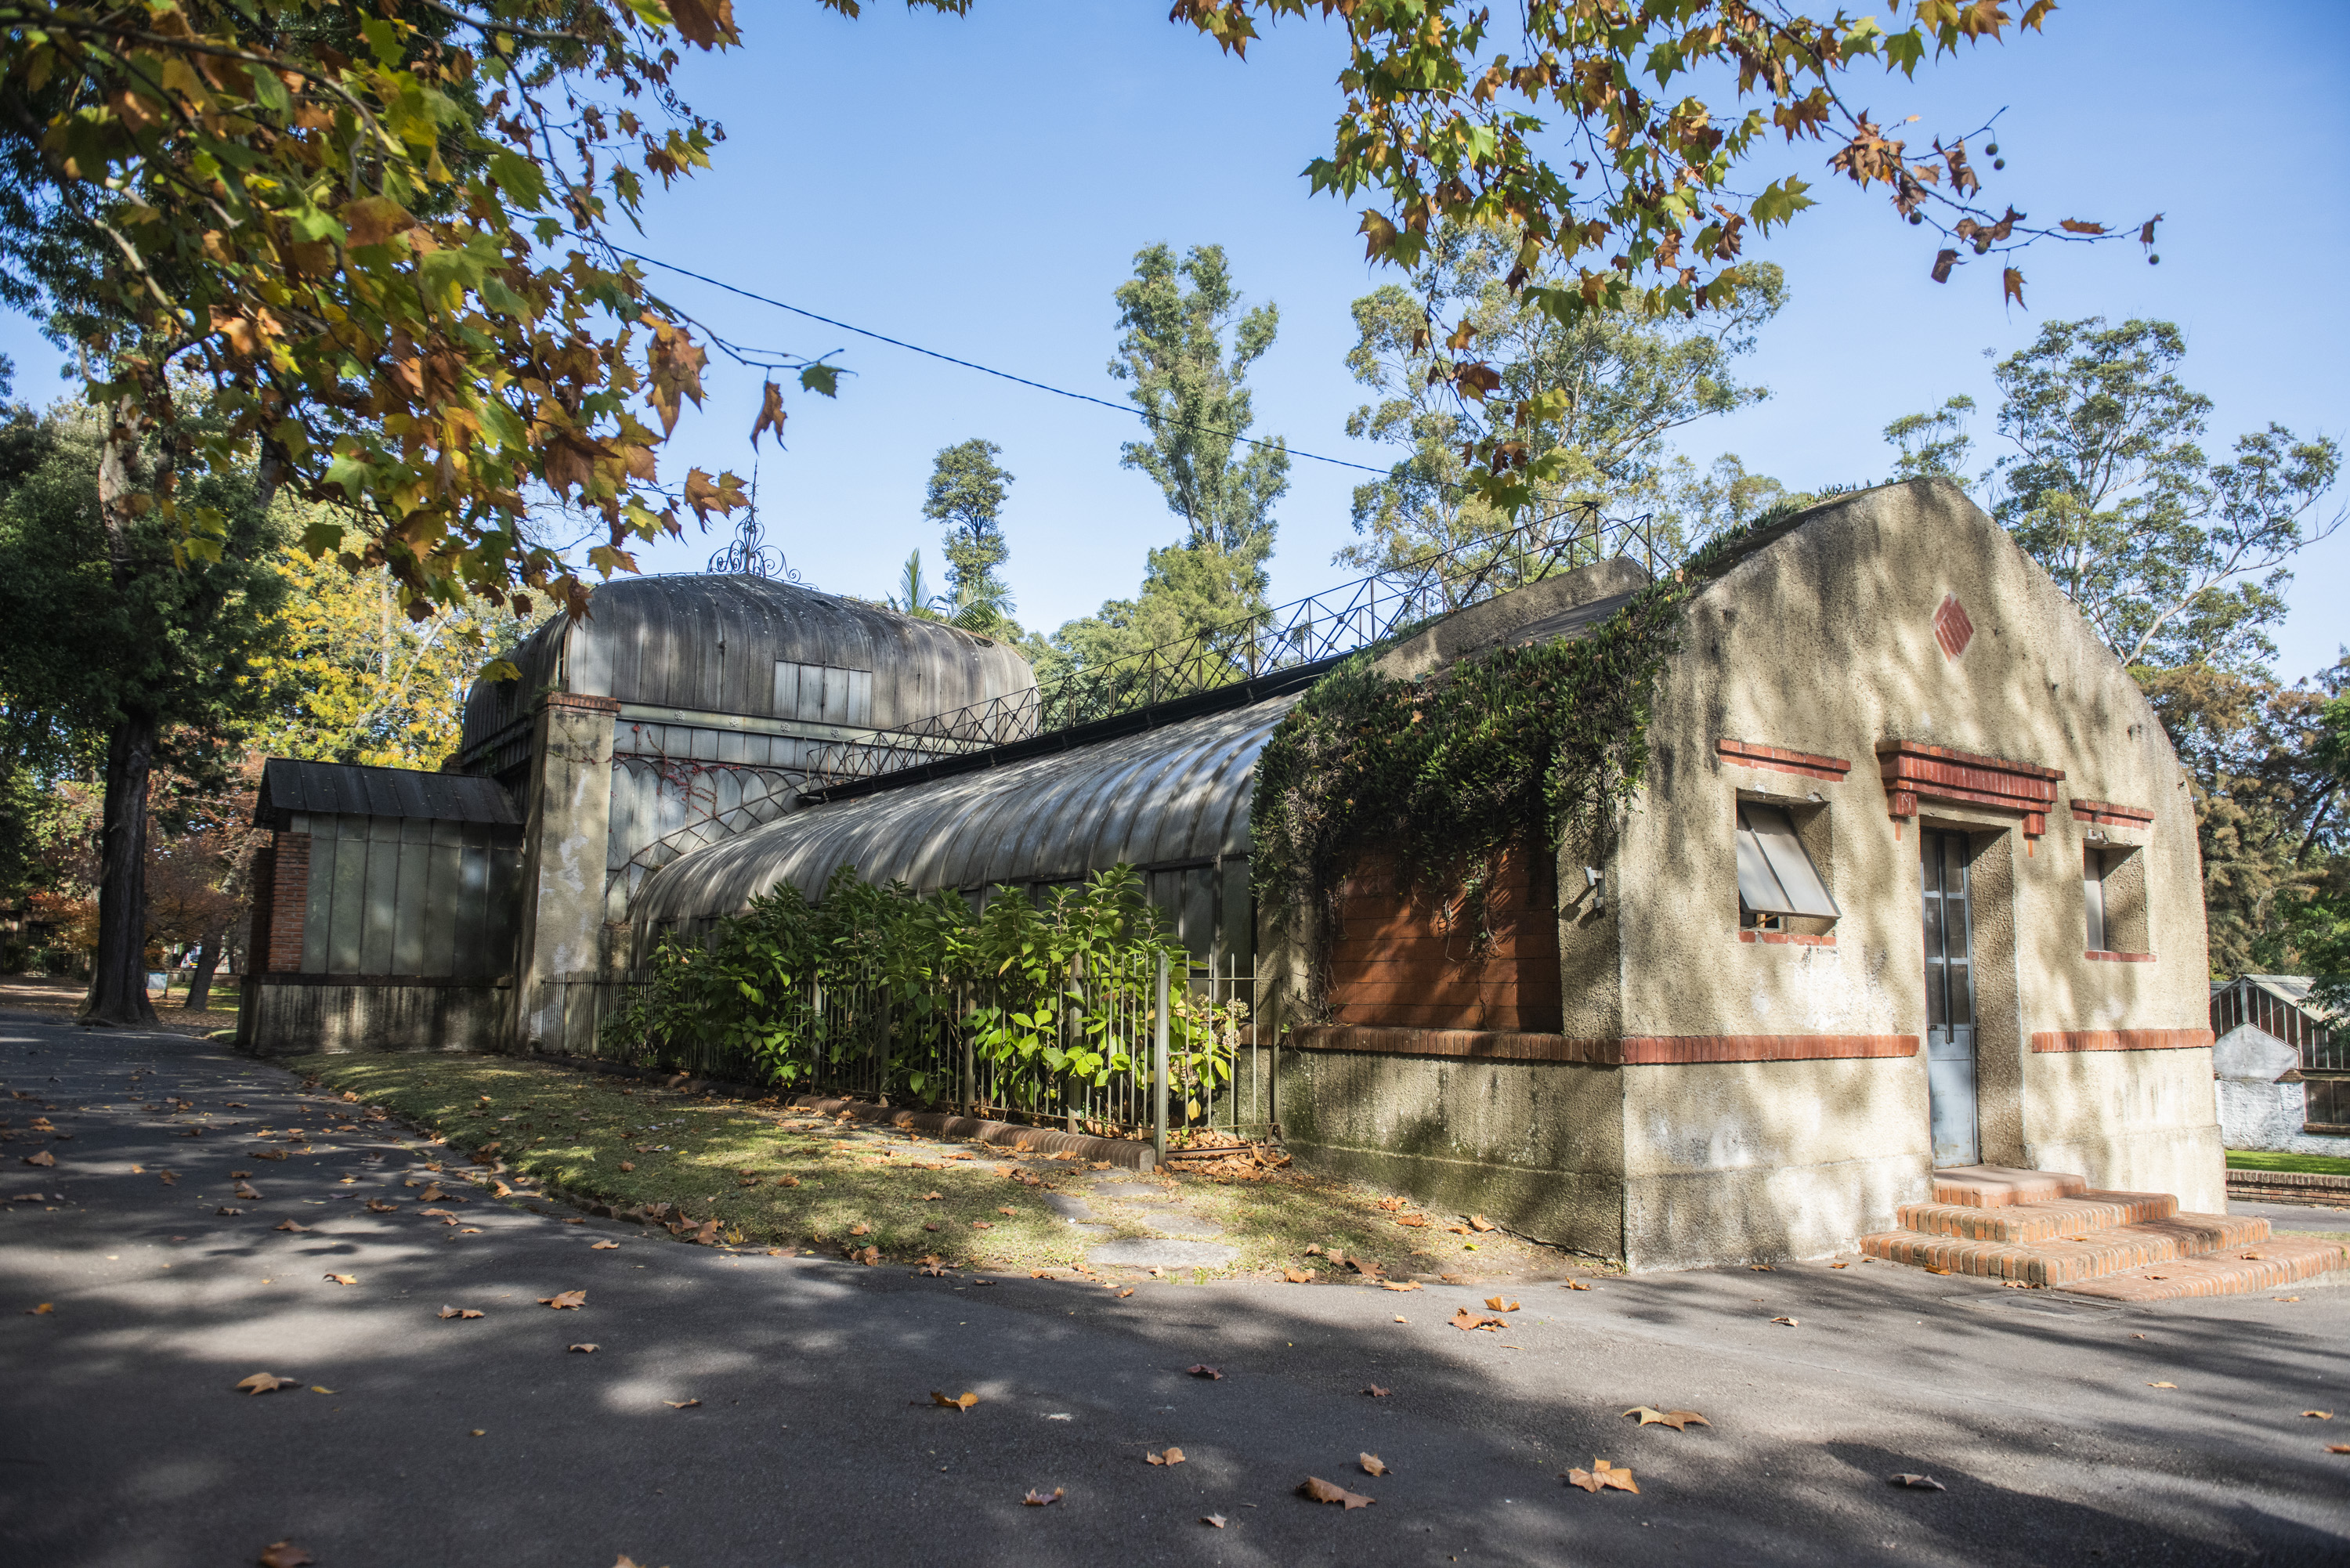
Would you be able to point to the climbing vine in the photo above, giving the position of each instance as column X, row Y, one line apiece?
column 1525, row 745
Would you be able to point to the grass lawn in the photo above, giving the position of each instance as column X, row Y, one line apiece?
column 2260, row 1160
column 773, row 1176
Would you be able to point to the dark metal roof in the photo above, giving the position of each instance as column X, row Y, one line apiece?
column 345, row 789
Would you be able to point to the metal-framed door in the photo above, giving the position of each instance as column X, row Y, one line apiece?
column 1950, row 998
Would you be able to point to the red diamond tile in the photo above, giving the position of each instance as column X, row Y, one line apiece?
column 1953, row 629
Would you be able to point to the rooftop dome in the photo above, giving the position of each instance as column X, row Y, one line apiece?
column 747, row 646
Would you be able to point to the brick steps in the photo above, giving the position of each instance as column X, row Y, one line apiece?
column 2046, row 1228
column 2274, row 1264
column 2030, row 1223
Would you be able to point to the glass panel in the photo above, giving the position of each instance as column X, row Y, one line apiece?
column 1775, row 835
column 1957, row 933
column 1758, row 889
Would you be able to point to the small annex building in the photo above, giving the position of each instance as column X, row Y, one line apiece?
column 1910, row 880
column 2283, row 1067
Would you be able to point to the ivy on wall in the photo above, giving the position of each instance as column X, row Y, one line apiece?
column 1538, row 744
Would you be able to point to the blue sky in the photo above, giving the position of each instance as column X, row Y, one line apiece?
column 979, row 185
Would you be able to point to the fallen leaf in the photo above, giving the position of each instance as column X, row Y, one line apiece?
column 962, row 1401
column 1372, row 1464
column 603, row 1246
column 1376, row 1392
column 1009, row 1212
column 1296, row 1276
column 1917, row 1482
column 43, row 1158
column 1171, row 1457
column 681, row 1404
column 1497, row 1303
column 582, row 1349
column 1464, row 1320
column 1206, row 1371
column 266, row 1383
column 1038, row 1499
column 1761, row 1268
column 1215, row 1518
column 871, row 1256
column 2337, row 1447
column 2162, row 1384
column 1320, row 1491
column 1839, row 1265
column 1788, row 1322
column 379, row 1205
column 2284, row 1298
column 1678, row 1420
column 1399, row 1284
column 982, row 1224
column 1574, row 1286
column 580, row 1220
column 2319, row 1415
column 344, row 1279
column 1479, row 1222
column 44, row 1310
column 320, row 1388
column 458, row 1312
column 226, row 1210
column 628, row 1164
column 1314, row 1248
column 562, row 1299
column 283, row 1554
column 289, row 1225
column 1602, row 1476
column 860, row 1228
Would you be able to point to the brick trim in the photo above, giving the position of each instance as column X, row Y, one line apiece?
column 2069, row 1040
column 582, row 702
column 2104, row 956
column 1912, row 773
column 2105, row 814
column 1789, row 939
column 1775, row 759
column 281, row 887
column 1631, row 1051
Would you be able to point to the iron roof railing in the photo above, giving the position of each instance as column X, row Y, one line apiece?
column 1309, row 630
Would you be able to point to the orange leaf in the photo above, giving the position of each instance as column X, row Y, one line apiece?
column 2011, row 286
column 962, row 1401
column 266, row 1383
column 681, row 1404
column 283, row 1554
column 1206, row 1371
column 1602, row 1476
column 1320, row 1491
column 562, row 1299
column 459, row 1311
column 1372, row 1464
column 1479, row 1222
column 344, row 1279
column 1038, row 1499
column 582, row 1349
column 1171, row 1457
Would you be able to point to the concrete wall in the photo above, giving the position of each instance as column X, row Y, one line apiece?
column 567, row 814
column 284, row 1020
column 2256, row 1112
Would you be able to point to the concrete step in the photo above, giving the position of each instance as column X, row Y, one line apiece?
column 2072, row 1261
column 2032, row 1222
column 1999, row 1186
column 2274, row 1264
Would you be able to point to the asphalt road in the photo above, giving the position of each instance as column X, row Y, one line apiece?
column 449, row 1443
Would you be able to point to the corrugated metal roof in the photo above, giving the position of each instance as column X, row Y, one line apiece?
column 345, row 789
column 1171, row 795
column 711, row 644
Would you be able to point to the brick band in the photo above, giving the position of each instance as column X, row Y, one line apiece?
column 1912, row 773
column 580, row 701
column 2105, row 814
column 2066, row 1040
column 2103, row 956
column 1747, row 754
column 1630, row 1051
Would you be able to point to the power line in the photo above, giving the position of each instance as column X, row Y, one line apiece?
column 985, row 370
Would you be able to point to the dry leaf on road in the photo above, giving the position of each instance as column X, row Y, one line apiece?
column 1394, row 1285
column 1296, row 1276
column 283, row 1554
column 1602, row 1476
column 344, row 1279
column 44, row 1310
column 1678, row 1420
column 1916, row 1482
column 375, row 1205
column 1204, row 1370
column 1372, row 1464
column 2319, row 1415
column 1479, row 1222
column 681, row 1404
column 1376, row 1392
column 1499, row 1304
column 1465, row 1320
column 1788, row 1322
column 603, row 1246
column 266, row 1383
column 2162, row 1384
column 583, row 1349
column 2337, row 1447
column 1171, row 1457
column 962, row 1401
column 1574, row 1286
column 1215, row 1518
column 1320, row 1491
column 459, row 1311
column 562, row 1299
column 1038, row 1499
column 43, row 1158
column 1761, row 1268
column 289, row 1225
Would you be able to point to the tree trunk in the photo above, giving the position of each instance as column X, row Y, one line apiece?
column 118, row 975
column 200, row 982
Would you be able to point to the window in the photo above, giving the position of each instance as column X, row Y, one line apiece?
column 2092, row 895
column 1776, row 876
column 824, row 694
column 2113, row 898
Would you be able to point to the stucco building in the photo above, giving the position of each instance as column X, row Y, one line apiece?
column 1911, row 882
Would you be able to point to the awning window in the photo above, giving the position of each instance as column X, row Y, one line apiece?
column 1775, row 876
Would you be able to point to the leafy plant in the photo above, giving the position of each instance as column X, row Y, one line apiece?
column 877, row 988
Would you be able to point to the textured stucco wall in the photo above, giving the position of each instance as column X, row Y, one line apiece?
column 297, row 1020
column 2257, row 1112
column 1533, row 1146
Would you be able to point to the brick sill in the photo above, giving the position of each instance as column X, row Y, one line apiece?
column 2104, row 956
column 1789, row 939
